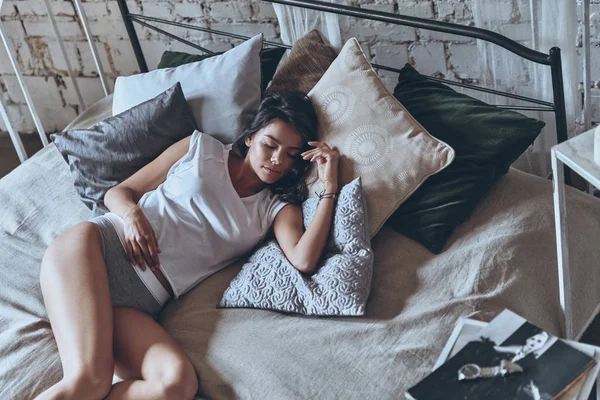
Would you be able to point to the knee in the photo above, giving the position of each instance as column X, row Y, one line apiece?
column 179, row 383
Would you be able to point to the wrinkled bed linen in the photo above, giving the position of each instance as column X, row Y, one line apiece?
column 503, row 256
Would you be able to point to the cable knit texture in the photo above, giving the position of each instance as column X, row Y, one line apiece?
column 342, row 281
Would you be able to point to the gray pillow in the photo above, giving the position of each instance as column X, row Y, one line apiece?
column 341, row 284
column 116, row 147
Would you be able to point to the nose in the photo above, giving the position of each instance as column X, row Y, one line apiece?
column 276, row 158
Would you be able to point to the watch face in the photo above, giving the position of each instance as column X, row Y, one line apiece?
column 469, row 371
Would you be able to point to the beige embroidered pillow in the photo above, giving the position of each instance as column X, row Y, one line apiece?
column 377, row 138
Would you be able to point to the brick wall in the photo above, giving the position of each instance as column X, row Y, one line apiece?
column 45, row 72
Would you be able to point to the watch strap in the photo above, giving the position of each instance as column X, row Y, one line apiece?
column 490, row 372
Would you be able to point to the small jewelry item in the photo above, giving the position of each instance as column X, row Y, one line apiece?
column 473, row 371
column 324, row 195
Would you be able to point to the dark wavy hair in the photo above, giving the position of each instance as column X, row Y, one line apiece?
column 295, row 109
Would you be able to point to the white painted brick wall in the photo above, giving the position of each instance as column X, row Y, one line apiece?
column 231, row 10
column 36, row 8
column 423, row 9
column 390, row 55
column 430, row 58
column 41, row 62
column 464, row 61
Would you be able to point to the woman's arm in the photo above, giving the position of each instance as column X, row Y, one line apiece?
column 122, row 199
column 140, row 239
column 304, row 248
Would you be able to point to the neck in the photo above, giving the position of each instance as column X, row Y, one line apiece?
column 243, row 177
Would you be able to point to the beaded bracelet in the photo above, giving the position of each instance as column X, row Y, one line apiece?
column 324, row 195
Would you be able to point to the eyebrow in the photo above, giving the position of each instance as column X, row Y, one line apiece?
column 277, row 141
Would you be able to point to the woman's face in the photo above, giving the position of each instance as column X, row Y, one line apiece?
column 273, row 150
column 535, row 342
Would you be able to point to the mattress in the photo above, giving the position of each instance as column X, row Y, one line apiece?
column 504, row 256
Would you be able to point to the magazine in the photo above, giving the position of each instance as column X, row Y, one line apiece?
column 550, row 366
column 467, row 328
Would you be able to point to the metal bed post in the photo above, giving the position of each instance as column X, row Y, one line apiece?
column 32, row 110
column 135, row 43
column 587, row 78
column 90, row 39
column 16, row 140
column 559, row 102
column 64, row 54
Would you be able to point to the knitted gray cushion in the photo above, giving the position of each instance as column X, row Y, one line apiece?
column 340, row 285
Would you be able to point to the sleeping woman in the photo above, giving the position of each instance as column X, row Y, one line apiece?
column 187, row 214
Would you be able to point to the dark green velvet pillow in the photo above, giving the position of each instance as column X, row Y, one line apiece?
column 486, row 140
column 269, row 59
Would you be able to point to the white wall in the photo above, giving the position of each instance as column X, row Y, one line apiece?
column 45, row 72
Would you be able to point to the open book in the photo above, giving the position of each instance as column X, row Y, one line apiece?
column 550, row 366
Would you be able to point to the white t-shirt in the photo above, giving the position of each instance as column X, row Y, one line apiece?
column 201, row 223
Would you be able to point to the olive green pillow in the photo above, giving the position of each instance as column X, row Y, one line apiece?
column 486, row 140
column 269, row 59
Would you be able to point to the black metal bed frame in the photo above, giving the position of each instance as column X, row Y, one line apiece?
column 552, row 59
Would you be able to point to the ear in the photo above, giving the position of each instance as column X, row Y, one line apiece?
column 248, row 141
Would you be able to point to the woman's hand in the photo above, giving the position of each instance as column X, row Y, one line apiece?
column 327, row 160
column 140, row 240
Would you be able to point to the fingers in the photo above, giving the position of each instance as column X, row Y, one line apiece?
column 141, row 244
column 315, row 154
column 138, row 259
column 129, row 251
column 308, row 152
column 311, row 153
column 143, row 253
column 154, row 250
column 144, row 246
column 318, row 159
column 318, row 144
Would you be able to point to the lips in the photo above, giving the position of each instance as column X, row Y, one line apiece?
column 272, row 171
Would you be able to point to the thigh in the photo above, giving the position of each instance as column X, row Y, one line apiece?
column 144, row 350
column 75, row 288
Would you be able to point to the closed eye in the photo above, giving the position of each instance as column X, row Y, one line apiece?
column 290, row 155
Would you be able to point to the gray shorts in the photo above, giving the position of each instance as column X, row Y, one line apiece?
column 126, row 287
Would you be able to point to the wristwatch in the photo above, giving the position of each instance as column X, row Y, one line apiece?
column 474, row 371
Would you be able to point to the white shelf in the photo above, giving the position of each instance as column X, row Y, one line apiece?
column 578, row 154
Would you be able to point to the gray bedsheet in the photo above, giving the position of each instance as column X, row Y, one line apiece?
column 503, row 256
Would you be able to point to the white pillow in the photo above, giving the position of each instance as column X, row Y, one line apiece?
column 223, row 91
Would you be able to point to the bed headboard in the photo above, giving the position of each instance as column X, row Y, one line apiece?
column 552, row 59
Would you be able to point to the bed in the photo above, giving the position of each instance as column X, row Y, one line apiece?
column 503, row 256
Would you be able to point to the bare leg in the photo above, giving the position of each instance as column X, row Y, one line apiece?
column 151, row 362
column 75, row 288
